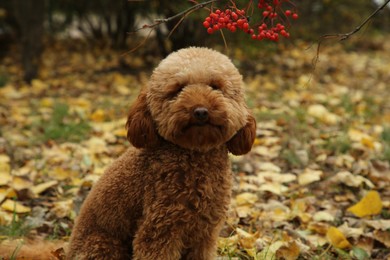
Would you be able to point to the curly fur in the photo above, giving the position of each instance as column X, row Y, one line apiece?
column 167, row 198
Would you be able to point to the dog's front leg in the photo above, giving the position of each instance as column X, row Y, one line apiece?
column 159, row 242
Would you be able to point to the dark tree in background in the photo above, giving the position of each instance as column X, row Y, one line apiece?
column 30, row 15
column 112, row 24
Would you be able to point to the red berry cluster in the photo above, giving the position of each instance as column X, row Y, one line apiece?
column 272, row 25
column 228, row 19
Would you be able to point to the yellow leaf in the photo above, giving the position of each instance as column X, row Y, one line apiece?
column 19, row 183
column 371, row 204
column 246, row 198
column 46, row 102
column 98, row 115
column 14, row 206
column 62, row 208
column 337, row 238
column 290, row 251
column 246, row 239
column 5, row 178
column 37, row 189
column 6, row 193
column 368, row 142
column 309, row 176
column 121, row 132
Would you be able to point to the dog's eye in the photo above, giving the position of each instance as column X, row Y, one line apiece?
column 175, row 90
column 215, row 86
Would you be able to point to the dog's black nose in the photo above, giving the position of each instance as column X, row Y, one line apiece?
column 201, row 114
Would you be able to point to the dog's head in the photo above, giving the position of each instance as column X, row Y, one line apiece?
column 194, row 99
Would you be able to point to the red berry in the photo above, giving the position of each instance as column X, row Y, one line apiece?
column 287, row 12
column 254, row 36
column 210, row 30
column 215, row 27
column 240, row 22
column 265, row 13
column 206, row 24
column 295, row 16
column 245, row 26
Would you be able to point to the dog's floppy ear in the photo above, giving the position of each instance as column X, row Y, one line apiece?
column 242, row 141
column 141, row 131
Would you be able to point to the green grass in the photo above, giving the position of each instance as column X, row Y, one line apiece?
column 385, row 137
column 63, row 127
column 3, row 80
column 338, row 145
column 17, row 228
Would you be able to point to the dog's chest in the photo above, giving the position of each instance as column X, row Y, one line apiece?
column 196, row 186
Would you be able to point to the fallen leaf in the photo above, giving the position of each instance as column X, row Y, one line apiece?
column 269, row 252
column 5, row 178
column 98, row 116
column 320, row 112
column 308, row 176
column 63, row 208
column 382, row 224
column 370, row 204
column 289, row 251
column 246, row 198
column 14, row 206
column 337, row 238
column 38, row 189
column 275, row 188
column 383, row 237
column 323, row 216
column 351, row 180
column 19, row 183
column 246, row 239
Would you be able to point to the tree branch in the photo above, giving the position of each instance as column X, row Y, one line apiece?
column 345, row 36
column 184, row 13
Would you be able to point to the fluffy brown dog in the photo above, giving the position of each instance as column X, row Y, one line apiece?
column 168, row 198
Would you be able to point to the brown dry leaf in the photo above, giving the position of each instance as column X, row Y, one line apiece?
column 246, row 239
column 63, row 208
column 14, row 206
column 383, row 237
column 243, row 211
column 289, row 251
column 350, row 231
column 337, row 238
column 370, row 204
column 349, row 179
column 381, row 224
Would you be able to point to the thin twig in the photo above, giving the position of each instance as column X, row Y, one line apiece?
column 345, row 36
column 157, row 22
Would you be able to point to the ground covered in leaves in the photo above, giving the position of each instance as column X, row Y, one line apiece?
column 315, row 186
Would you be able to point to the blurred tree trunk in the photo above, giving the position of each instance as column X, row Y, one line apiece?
column 30, row 17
